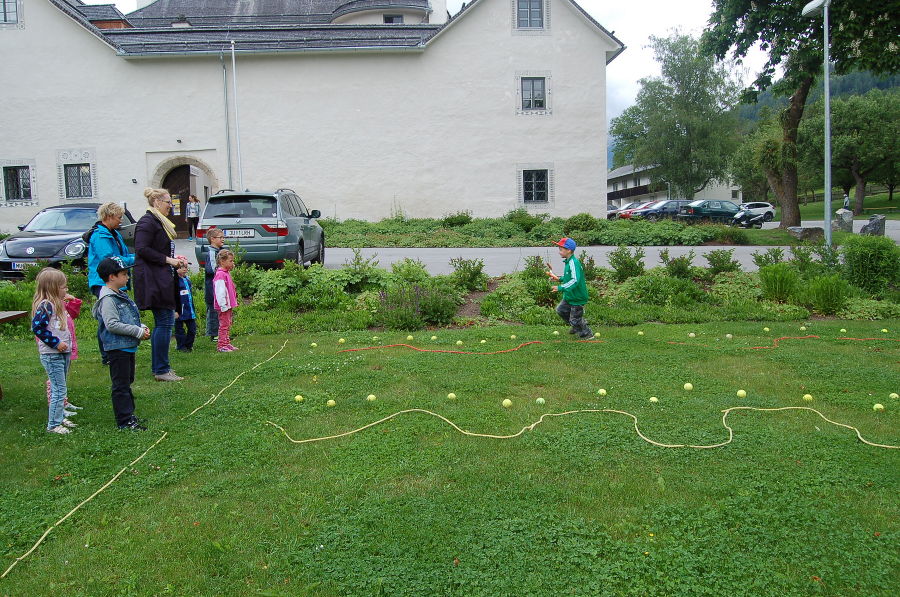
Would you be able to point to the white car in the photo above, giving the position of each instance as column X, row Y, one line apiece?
column 760, row 207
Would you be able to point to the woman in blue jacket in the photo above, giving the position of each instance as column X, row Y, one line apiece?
column 105, row 241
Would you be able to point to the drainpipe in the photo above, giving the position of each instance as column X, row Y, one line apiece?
column 237, row 122
column 227, row 119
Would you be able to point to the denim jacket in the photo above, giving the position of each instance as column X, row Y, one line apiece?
column 119, row 320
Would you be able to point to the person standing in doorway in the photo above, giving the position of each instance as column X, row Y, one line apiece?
column 192, row 213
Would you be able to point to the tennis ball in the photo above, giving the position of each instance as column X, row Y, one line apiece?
column 313, row 345
column 507, row 403
column 877, row 407
column 808, row 397
column 766, row 329
column 729, row 336
column 802, row 328
column 688, row 386
column 409, row 337
column 513, row 337
column 843, row 331
column 556, row 332
column 371, row 397
column 484, row 341
column 341, row 341
column 641, row 333
column 330, row 403
column 884, row 330
column 654, row 399
column 893, row 396
column 434, row 337
column 298, row 398
column 375, row 338
column 596, row 334
column 692, row 335
column 459, row 342
column 540, row 400
column 601, row 392
column 741, row 394
column 451, row 396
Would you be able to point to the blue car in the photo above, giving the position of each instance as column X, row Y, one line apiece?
column 666, row 208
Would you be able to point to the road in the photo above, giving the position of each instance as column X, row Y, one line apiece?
column 498, row 261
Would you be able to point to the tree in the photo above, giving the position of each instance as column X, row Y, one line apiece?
column 745, row 169
column 864, row 35
column 681, row 123
column 864, row 131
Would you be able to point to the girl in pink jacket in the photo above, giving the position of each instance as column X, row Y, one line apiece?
column 225, row 298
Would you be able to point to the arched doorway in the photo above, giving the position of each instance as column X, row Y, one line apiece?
column 178, row 183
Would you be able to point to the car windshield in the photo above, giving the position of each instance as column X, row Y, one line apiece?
column 62, row 220
column 655, row 204
column 241, row 207
column 697, row 203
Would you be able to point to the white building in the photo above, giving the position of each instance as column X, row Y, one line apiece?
column 364, row 107
column 627, row 184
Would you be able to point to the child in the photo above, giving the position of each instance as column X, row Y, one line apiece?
column 121, row 331
column 185, row 318
column 73, row 308
column 226, row 298
column 50, row 324
column 573, row 288
column 216, row 240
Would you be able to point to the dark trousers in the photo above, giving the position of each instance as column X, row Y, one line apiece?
column 212, row 316
column 121, row 374
column 185, row 332
column 192, row 226
column 574, row 316
column 95, row 290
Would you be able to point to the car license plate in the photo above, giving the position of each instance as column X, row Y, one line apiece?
column 18, row 266
column 240, row 233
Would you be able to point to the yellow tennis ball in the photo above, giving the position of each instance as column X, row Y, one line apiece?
column 878, row 407
column 654, row 399
column 843, row 331
column 298, row 398
column 540, row 400
column 375, row 338
column 341, row 341
column 459, row 342
column 802, row 328
column 741, row 394
column 688, row 386
column 884, row 330
column 451, row 396
column 409, row 337
column 765, row 329
column 729, row 336
column 484, row 341
column 507, row 403
column 893, row 396
column 692, row 335
column 808, row 397
column 330, row 403
column 313, row 345
column 601, row 392
column 640, row 333
column 513, row 337
column 371, row 397
column 556, row 332
column 434, row 337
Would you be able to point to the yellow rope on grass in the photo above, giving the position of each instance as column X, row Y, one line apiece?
column 531, row 427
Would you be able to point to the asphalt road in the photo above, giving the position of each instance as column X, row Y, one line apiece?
column 498, row 261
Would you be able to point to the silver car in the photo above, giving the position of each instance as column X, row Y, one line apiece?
column 270, row 228
column 760, row 207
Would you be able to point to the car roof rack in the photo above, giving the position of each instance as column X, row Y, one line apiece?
column 220, row 191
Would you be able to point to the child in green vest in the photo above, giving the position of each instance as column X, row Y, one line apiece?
column 573, row 288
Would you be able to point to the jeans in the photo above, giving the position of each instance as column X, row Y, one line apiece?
column 574, row 316
column 57, row 367
column 185, row 332
column 95, row 290
column 212, row 316
column 121, row 375
column 163, row 321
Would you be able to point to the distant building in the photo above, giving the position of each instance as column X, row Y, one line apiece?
column 363, row 107
column 627, row 184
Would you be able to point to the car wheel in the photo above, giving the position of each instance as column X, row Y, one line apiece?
column 652, row 218
column 320, row 257
column 300, row 260
column 769, row 216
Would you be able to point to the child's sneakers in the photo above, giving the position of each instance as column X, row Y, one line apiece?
column 69, row 424
column 69, row 413
column 70, row 406
column 226, row 349
column 231, row 347
column 60, row 429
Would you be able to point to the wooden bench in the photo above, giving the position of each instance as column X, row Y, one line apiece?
column 888, row 208
column 10, row 316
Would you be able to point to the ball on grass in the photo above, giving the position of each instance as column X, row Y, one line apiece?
column 298, row 398
column 741, row 393
column 654, row 399
column 878, row 407
column 729, row 336
column 884, row 330
column 434, row 337
column 808, row 397
column 313, row 345
column 330, row 403
column 513, row 337
column 556, row 332
column 692, row 335
column 641, row 333
column 371, row 398
column 506, row 403
column 843, row 330
column 341, row 340
column 601, row 392
column 802, row 328
column 540, row 401
column 451, row 396
column 893, row 396
column 459, row 342
column 484, row 341
column 409, row 337
column 688, row 387
column 766, row 329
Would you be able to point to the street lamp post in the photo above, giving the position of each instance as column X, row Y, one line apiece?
column 812, row 10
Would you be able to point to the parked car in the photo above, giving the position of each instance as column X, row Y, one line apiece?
column 667, row 208
column 626, row 213
column 611, row 213
column 53, row 236
column 708, row 210
column 760, row 207
column 270, row 227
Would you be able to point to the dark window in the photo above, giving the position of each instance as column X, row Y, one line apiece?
column 8, row 11
column 17, row 182
column 78, row 180
column 533, row 96
column 531, row 13
column 303, row 210
column 395, row 19
column 734, row 194
column 534, row 186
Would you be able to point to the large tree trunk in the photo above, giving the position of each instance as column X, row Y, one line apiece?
column 787, row 190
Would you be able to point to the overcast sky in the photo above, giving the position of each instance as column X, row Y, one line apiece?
column 633, row 22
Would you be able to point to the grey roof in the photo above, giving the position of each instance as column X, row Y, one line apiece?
column 199, row 40
column 626, row 170
column 100, row 12
column 243, row 12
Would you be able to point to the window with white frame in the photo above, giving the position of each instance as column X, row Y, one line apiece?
column 534, row 95
column 535, row 184
column 17, row 183
column 76, row 174
column 530, row 14
column 534, row 92
column 78, row 181
column 9, row 12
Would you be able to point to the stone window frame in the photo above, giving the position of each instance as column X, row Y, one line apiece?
column 19, row 23
column 520, row 184
column 32, row 168
column 548, row 92
column 71, row 157
column 544, row 29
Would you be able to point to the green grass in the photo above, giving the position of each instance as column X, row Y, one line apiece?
column 815, row 211
column 225, row 505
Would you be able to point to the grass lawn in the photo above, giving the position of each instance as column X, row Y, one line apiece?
column 874, row 204
column 226, row 505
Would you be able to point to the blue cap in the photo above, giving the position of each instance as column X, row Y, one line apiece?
column 566, row 243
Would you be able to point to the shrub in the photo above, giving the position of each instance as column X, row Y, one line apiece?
column 588, row 266
column 399, row 308
column 778, row 281
column 730, row 235
column 524, row 220
column 658, row 290
column 734, row 287
column 582, row 221
column 721, row 261
column 827, row 294
column 509, row 301
column 438, row 304
column 78, row 281
column 804, row 261
column 862, row 308
column 460, row 218
column 410, row 271
column 278, row 285
column 468, row 274
column 677, row 267
column 16, row 297
column 872, row 263
column 770, row 257
column 535, row 268
column 625, row 264
column 361, row 273
column 246, row 278
column 320, row 291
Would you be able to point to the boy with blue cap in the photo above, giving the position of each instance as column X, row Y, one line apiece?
column 573, row 288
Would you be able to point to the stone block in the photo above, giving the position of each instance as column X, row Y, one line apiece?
column 875, row 226
column 843, row 221
column 802, row 234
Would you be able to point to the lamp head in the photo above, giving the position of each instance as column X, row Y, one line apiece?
column 814, row 8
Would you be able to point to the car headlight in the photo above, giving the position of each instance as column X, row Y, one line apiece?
column 2, row 248
column 75, row 249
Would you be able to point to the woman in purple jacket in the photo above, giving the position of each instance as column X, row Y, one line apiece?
column 155, row 280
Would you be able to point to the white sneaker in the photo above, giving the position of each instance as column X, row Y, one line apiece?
column 59, row 429
column 69, row 423
column 69, row 413
column 71, row 406
column 168, row 376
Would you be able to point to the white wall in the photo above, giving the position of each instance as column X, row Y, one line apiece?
column 376, row 17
